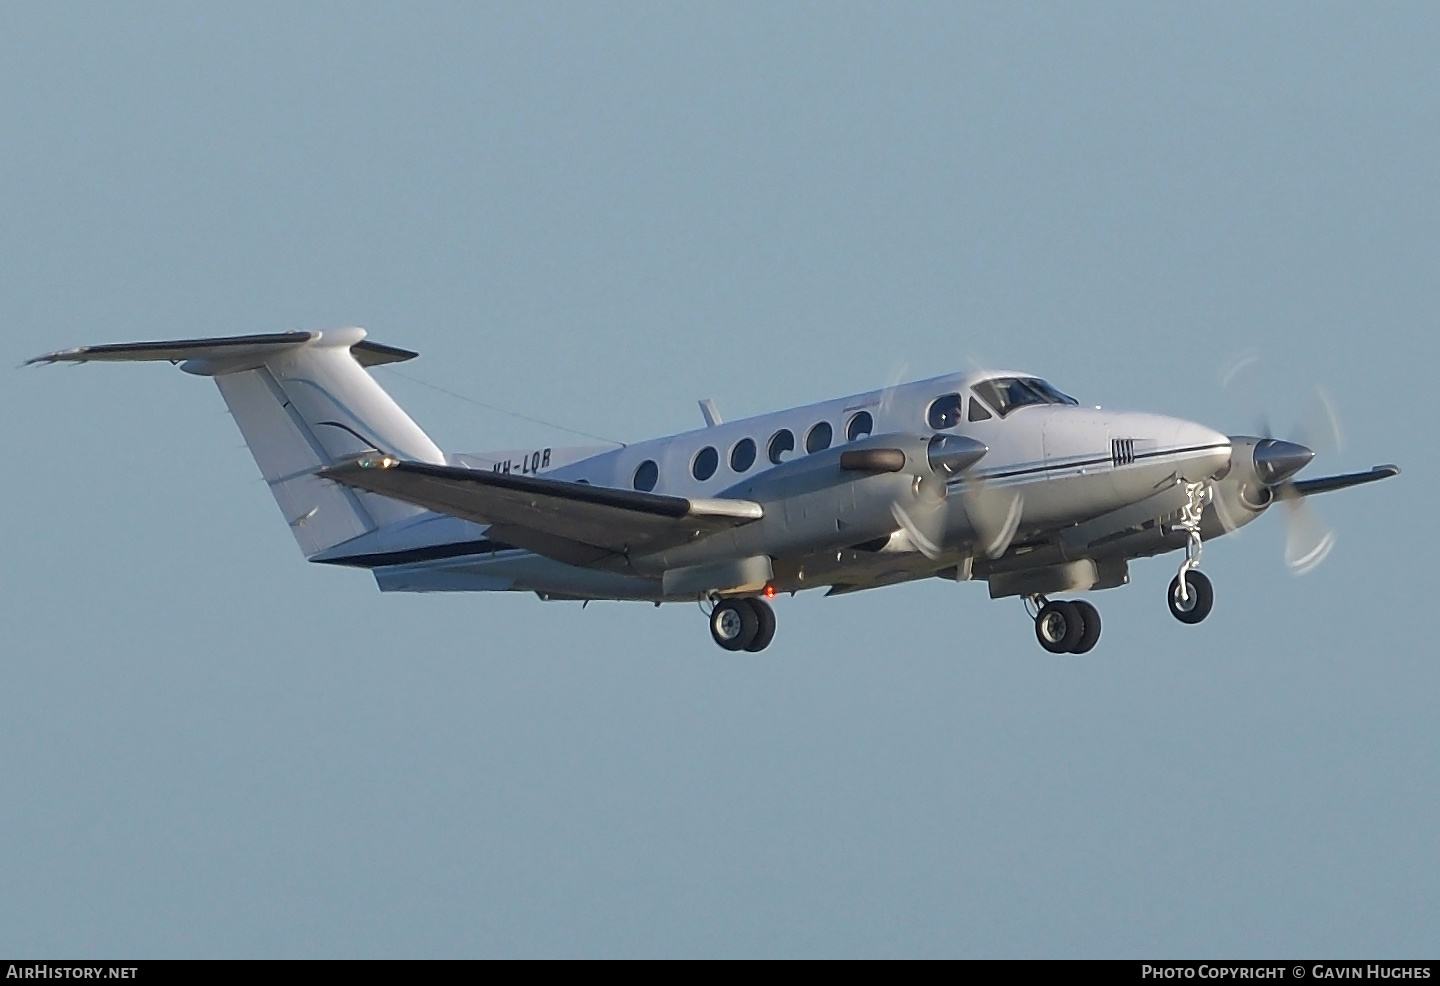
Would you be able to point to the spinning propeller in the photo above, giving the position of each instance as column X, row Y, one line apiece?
column 925, row 517
column 993, row 513
column 1267, row 473
column 1308, row 539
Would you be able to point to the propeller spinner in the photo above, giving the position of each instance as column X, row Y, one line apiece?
column 1307, row 538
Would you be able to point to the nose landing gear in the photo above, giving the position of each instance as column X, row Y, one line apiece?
column 1192, row 602
column 1066, row 627
column 742, row 624
column 1191, row 595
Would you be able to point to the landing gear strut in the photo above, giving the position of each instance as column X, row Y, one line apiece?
column 1191, row 595
column 1064, row 627
column 742, row 624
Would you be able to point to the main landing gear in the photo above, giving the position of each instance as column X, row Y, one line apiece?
column 1065, row 627
column 742, row 624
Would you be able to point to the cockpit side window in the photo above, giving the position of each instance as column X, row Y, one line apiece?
column 978, row 411
column 1005, row 394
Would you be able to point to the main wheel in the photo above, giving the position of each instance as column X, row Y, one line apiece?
column 733, row 624
column 1058, row 627
column 1090, row 616
column 765, row 625
column 1201, row 598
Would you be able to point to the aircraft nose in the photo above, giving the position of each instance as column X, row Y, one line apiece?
column 1208, row 451
column 1276, row 460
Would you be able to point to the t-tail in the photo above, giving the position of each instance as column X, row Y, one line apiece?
column 303, row 401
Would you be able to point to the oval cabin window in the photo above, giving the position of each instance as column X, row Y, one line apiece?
column 742, row 456
column 782, row 443
column 861, row 424
column 646, row 476
column 944, row 411
column 818, row 437
column 705, row 462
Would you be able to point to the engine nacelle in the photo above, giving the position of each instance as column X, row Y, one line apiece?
column 1238, row 495
column 824, row 501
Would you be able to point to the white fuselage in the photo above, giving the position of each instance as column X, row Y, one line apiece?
column 1066, row 464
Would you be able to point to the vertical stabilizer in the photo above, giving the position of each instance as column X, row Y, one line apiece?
column 303, row 401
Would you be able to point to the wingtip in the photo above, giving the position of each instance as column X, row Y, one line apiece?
column 47, row 358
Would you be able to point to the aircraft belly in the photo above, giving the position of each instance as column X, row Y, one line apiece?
column 515, row 572
column 855, row 568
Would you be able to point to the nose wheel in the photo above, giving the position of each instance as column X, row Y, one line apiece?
column 1066, row 627
column 1191, row 601
column 742, row 624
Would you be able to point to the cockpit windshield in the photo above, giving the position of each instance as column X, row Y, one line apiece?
column 1005, row 394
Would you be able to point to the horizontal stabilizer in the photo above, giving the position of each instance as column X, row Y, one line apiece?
column 548, row 516
column 258, row 347
column 1328, row 484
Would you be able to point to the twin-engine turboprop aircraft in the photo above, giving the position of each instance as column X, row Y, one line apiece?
column 995, row 477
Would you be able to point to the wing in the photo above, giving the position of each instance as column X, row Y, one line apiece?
column 572, row 522
column 1328, row 484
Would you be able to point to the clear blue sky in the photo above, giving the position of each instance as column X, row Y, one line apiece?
column 599, row 213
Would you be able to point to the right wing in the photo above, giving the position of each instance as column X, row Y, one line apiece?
column 572, row 522
column 1328, row 484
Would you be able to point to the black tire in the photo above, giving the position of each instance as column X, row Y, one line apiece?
column 1201, row 601
column 1090, row 616
column 733, row 624
column 1058, row 627
column 765, row 620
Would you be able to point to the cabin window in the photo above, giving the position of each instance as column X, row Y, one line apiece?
column 742, row 456
column 944, row 411
column 861, row 424
column 782, row 443
column 978, row 411
column 818, row 437
column 703, row 467
column 646, row 476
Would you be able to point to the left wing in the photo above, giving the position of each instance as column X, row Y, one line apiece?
column 572, row 522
